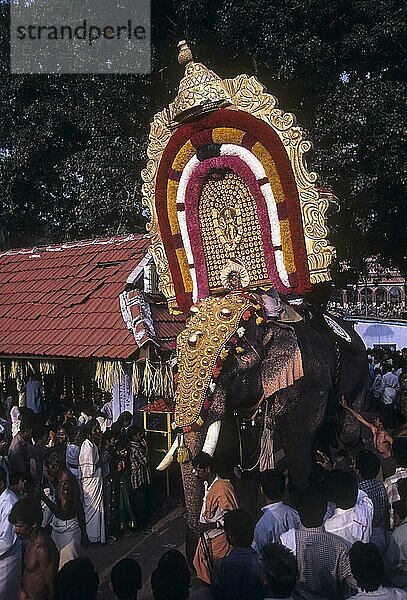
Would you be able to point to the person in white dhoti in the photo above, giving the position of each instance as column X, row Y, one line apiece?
column 10, row 546
column 90, row 477
column 66, row 534
column 67, row 517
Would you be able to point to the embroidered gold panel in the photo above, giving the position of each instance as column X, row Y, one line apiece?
column 230, row 228
column 198, row 348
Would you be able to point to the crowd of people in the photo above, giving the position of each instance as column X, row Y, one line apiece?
column 360, row 309
column 344, row 535
column 65, row 485
column 70, row 479
column 387, row 383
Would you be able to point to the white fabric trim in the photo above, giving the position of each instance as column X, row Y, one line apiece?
column 139, row 269
column 258, row 171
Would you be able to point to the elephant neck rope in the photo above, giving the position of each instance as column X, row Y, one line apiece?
column 258, row 451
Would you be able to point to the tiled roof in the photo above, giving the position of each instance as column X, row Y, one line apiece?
column 166, row 326
column 63, row 301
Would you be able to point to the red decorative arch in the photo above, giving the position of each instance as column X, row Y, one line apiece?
column 200, row 135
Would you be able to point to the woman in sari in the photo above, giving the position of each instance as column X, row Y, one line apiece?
column 90, row 477
column 127, row 517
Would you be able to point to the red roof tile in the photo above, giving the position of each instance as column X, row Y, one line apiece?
column 167, row 326
column 63, row 301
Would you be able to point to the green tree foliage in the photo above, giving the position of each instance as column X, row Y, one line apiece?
column 73, row 146
column 72, row 155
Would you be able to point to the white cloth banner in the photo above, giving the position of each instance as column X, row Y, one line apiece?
column 122, row 396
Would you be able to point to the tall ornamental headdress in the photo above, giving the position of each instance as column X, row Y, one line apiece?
column 232, row 202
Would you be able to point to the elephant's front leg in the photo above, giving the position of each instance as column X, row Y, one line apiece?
column 298, row 414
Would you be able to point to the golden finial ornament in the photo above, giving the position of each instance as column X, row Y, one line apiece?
column 184, row 54
column 200, row 90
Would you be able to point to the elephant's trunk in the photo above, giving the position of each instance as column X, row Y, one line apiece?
column 193, row 490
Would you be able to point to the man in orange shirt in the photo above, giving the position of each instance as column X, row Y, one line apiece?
column 219, row 498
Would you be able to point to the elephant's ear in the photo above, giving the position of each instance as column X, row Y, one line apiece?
column 282, row 363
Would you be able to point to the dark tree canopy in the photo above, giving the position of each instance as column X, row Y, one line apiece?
column 73, row 146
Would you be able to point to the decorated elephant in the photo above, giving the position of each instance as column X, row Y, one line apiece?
column 239, row 238
column 244, row 352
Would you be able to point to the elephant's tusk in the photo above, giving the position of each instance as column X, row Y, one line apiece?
column 169, row 457
column 212, row 436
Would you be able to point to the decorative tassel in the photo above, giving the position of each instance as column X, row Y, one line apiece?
column 15, row 369
column 135, row 379
column 266, row 450
column 29, row 366
column 148, row 379
column 46, row 367
column 107, row 373
column 168, row 380
column 158, row 383
column 182, row 453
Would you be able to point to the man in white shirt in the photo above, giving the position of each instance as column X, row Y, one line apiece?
column 400, row 455
column 368, row 570
column 277, row 517
column 390, row 386
column 398, row 577
column 400, row 531
column 10, row 546
column 353, row 516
